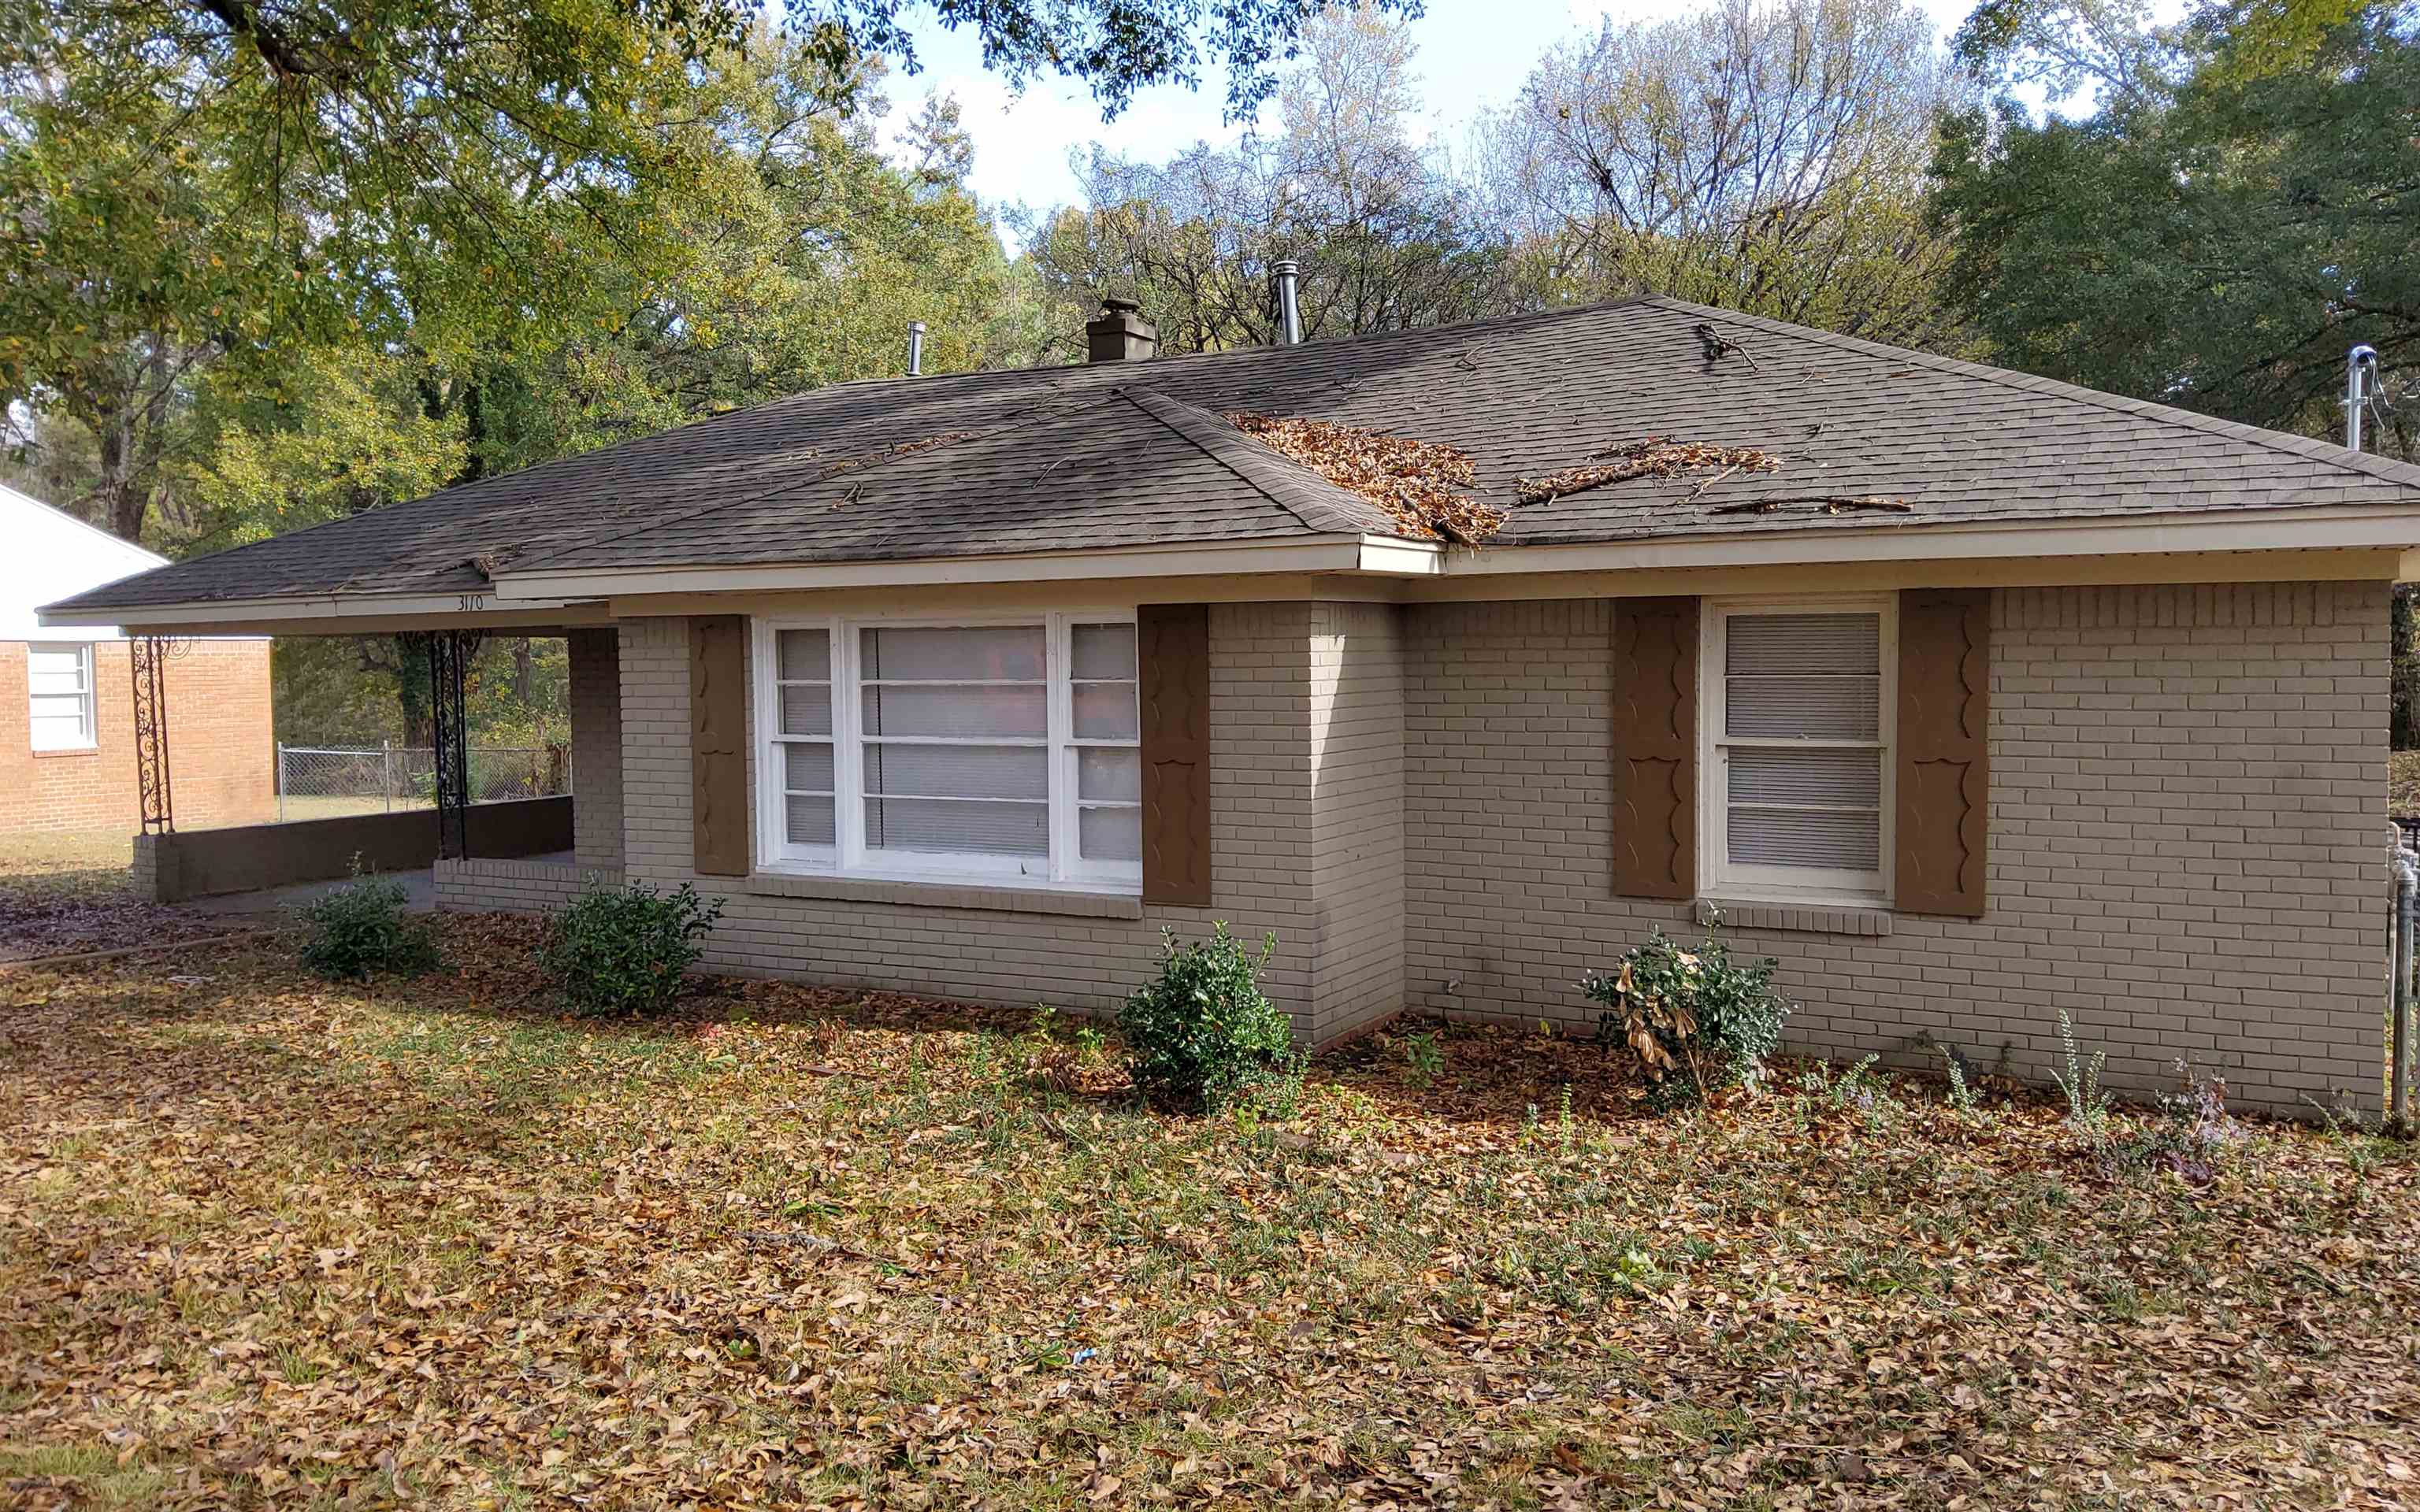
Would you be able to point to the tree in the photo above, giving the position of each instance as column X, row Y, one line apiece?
column 1386, row 238
column 2218, row 248
column 1763, row 155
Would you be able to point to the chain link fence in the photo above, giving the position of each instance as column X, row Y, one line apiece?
column 322, row 782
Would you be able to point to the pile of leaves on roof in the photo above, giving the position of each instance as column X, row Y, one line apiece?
column 1656, row 456
column 269, row 1241
column 1413, row 481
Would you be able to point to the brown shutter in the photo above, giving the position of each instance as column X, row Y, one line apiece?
column 1944, row 767
column 1655, row 747
column 1173, row 645
column 717, row 743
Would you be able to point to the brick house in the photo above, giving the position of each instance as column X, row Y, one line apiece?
column 1970, row 697
column 67, row 737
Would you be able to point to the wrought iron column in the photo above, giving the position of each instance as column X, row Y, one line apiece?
column 449, row 660
column 150, row 656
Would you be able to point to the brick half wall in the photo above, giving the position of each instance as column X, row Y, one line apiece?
column 2188, row 841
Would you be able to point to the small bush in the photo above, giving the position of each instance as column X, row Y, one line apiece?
column 2194, row 1135
column 361, row 929
column 1696, row 1020
column 624, row 950
column 1204, row 1032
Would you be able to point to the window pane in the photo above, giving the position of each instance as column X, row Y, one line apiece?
column 1785, row 836
column 806, row 654
column 945, row 710
column 806, row 711
column 1108, row 776
column 55, row 678
column 1851, row 778
column 976, row 654
column 1827, row 709
column 809, row 821
column 959, row 771
column 978, row 829
column 1104, row 711
column 1109, row 833
column 50, row 733
column 807, row 768
column 1840, row 644
column 1103, row 651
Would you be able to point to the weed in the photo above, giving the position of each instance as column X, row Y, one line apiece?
column 2087, row 1101
column 1423, row 1058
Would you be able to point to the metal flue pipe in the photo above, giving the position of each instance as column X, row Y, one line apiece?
column 915, row 348
column 1287, row 271
column 2361, row 372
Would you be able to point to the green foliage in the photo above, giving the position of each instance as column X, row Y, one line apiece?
column 2403, row 641
column 2215, row 241
column 2087, row 1101
column 1423, row 1058
column 1203, row 1033
column 1696, row 1020
column 361, row 929
column 625, row 950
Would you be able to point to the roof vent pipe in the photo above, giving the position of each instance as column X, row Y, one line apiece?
column 915, row 348
column 1289, row 307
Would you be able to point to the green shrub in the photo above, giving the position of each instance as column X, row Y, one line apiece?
column 361, row 929
column 624, row 950
column 1204, row 1032
column 1696, row 1020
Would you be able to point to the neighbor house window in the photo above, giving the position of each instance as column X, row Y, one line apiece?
column 60, row 680
column 999, row 750
column 1797, row 728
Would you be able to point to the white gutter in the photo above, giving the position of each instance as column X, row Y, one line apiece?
column 314, row 607
column 1338, row 554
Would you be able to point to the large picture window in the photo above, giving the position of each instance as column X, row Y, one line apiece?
column 1797, row 728
column 59, row 678
column 917, row 749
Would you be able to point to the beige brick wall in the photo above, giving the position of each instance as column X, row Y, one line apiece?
column 1357, row 805
column 2187, row 840
column 1265, row 840
column 595, row 748
column 484, row 886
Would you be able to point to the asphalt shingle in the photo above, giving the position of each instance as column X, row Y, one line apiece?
column 1132, row 454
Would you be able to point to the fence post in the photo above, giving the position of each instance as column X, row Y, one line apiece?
column 281, row 782
column 386, row 773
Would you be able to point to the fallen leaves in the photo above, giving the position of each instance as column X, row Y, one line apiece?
column 265, row 1241
column 1415, row 482
column 1656, row 456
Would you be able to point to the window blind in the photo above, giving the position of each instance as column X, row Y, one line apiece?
column 1801, row 741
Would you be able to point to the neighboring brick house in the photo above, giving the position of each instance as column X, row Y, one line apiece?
column 67, row 734
column 1973, row 698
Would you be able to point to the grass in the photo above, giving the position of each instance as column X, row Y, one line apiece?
column 63, row 865
column 265, row 1242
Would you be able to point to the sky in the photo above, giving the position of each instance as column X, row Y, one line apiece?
column 1474, row 55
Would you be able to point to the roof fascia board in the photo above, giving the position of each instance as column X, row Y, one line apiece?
column 477, row 609
column 2290, row 530
column 1325, row 554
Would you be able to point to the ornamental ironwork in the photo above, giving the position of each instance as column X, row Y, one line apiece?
column 449, row 663
column 150, row 656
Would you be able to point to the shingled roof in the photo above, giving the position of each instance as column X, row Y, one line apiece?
column 1134, row 454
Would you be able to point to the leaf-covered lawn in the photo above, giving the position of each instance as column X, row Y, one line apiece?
column 265, row 1242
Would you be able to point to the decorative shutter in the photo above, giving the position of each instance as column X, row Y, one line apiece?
column 717, row 743
column 1173, row 649
column 1655, row 747
column 1944, row 769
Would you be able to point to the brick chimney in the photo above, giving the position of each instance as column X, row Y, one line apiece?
column 1120, row 334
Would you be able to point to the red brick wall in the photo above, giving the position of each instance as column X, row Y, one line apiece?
column 222, row 746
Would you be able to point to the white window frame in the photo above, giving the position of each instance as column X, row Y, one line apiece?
column 849, row 856
column 88, row 730
column 1721, row 879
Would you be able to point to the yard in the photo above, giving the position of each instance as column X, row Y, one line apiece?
column 267, row 1241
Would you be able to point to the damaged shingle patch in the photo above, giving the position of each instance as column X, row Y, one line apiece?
column 1657, row 457
column 1414, row 482
column 1819, row 503
column 850, row 464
